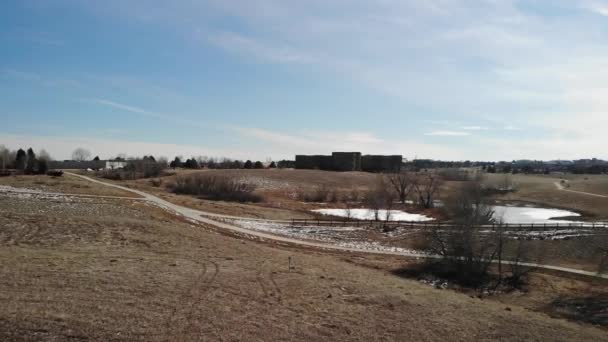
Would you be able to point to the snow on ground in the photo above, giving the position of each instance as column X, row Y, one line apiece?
column 339, row 236
column 526, row 215
column 8, row 188
column 368, row 214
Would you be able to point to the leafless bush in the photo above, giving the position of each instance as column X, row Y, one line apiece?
column 519, row 272
column 379, row 197
column 467, row 248
column 354, row 195
column 333, row 196
column 455, row 175
column 319, row 195
column 55, row 173
column 402, row 184
column 156, row 182
column 219, row 188
column 426, row 186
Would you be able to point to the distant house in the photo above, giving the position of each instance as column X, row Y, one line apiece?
column 115, row 164
column 86, row 165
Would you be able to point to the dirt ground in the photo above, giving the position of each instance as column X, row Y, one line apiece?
column 121, row 270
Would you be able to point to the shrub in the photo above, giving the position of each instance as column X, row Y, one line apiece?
column 156, row 182
column 319, row 195
column 55, row 173
column 43, row 167
column 217, row 188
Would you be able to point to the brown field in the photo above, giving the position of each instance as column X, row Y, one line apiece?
column 540, row 189
column 109, row 269
column 596, row 184
column 64, row 185
column 278, row 188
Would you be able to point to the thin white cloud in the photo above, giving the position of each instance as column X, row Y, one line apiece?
column 137, row 110
column 289, row 144
column 598, row 8
column 512, row 128
column 447, row 133
column 61, row 148
column 35, row 78
column 121, row 106
column 474, row 128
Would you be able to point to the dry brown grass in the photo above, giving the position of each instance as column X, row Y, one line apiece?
column 541, row 189
column 279, row 189
column 65, row 184
column 122, row 271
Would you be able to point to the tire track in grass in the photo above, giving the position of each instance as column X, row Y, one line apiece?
column 201, row 292
column 182, row 318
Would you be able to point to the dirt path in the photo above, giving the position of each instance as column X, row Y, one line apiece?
column 562, row 188
column 199, row 216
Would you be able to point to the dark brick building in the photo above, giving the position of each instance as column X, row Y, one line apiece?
column 349, row 161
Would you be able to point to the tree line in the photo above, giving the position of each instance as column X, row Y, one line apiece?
column 226, row 163
column 26, row 161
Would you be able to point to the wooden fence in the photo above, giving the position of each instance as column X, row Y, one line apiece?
column 445, row 225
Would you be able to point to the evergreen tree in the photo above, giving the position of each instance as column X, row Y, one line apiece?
column 176, row 163
column 258, row 165
column 43, row 167
column 248, row 164
column 31, row 161
column 272, row 165
column 20, row 160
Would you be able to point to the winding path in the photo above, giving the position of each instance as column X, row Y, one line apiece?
column 198, row 216
column 561, row 187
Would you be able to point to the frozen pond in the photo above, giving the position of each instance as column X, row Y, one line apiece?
column 519, row 215
column 368, row 214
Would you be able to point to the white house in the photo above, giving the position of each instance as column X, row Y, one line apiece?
column 115, row 164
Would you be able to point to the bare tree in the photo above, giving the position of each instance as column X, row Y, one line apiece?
column 467, row 247
column 380, row 197
column 402, row 184
column 603, row 265
column 4, row 155
column 81, row 154
column 44, row 155
column 426, row 186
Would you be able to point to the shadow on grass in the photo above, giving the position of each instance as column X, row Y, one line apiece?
column 440, row 273
column 591, row 309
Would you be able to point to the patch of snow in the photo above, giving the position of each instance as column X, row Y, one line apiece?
column 8, row 188
column 368, row 214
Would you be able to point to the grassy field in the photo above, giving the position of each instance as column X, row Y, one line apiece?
column 279, row 189
column 541, row 189
column 120, row 270
column 64, row 184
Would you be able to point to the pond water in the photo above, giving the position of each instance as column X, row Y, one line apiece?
column 508, row 214
column 517, row 215
column 368, row 214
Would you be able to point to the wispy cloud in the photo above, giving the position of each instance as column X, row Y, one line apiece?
column 121, row 106
column 140, row 111
column 289, row 144
column 598, row 8
column 512, row 128
column 447, row 133
column 38, row 79
column 474, row 128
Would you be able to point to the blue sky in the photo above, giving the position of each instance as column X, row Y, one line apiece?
column 445, row 79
